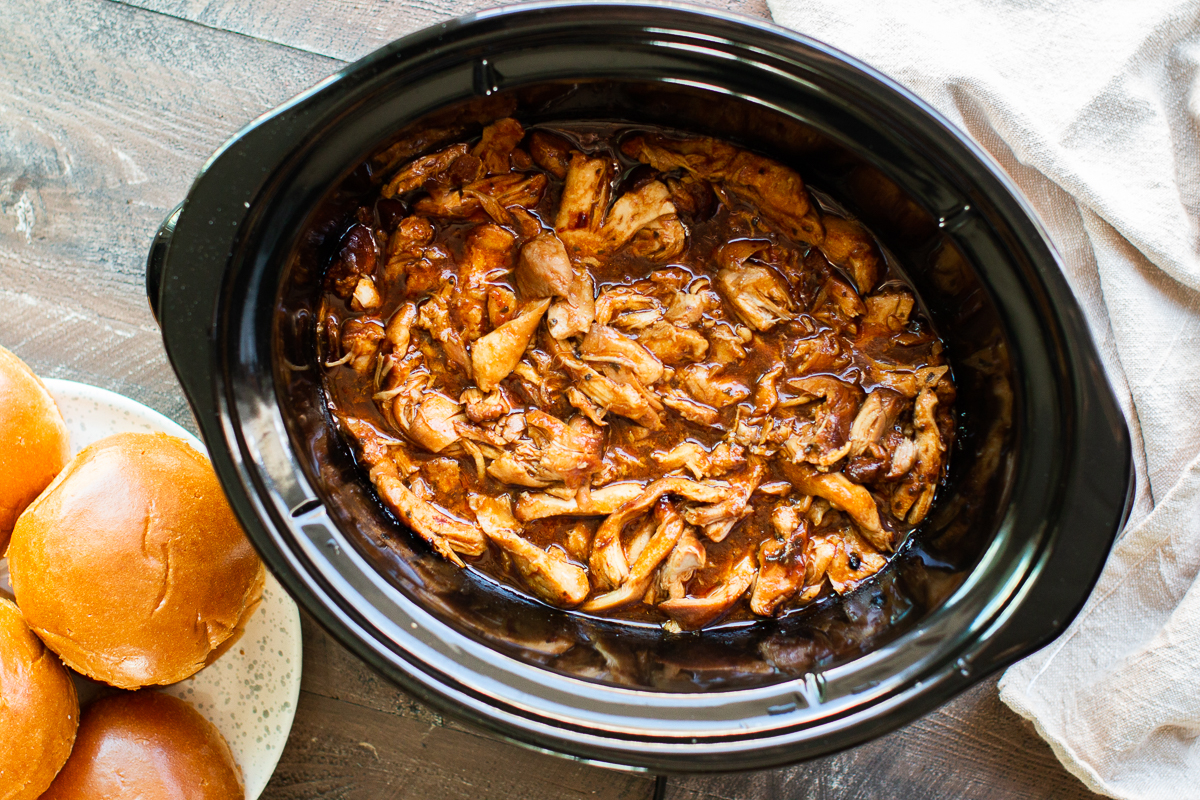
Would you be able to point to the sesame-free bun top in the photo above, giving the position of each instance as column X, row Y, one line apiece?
column 131, row 565
column 148, row 746
column 39, row 710
column 34, row 443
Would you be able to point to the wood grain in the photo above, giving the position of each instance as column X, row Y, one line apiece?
column 973, row 747
column 107, row 110
column 345, row 29
column 370, row 755
column 332, row 671
column 358, row 736
column 106, row 114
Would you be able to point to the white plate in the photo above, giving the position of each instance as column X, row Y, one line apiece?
column 249, row 693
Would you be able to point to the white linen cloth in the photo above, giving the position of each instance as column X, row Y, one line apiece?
column 1093, row 108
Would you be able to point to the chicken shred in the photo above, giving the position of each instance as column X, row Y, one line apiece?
column 549, row 573
column 781, row 561
column 670, row 528
column 496, row 354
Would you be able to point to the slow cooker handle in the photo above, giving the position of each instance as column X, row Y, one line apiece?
column 157, row 259
column 1063, row 583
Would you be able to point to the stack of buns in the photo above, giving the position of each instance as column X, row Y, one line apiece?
column 128, row 564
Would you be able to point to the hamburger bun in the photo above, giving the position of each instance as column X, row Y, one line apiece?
column 150, row 746
column 34, row 444
column 131, row 565
column 39, row 710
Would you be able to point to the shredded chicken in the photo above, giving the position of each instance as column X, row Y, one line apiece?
column 545, row 270
column 593, row 231
column 914, row 495
column 495, row 355
column 550, row 152
column 846, row 496
column 847, row 244
column 554, row 452
column 718, row 519
column 853, row 561
column 759, row 294
column 434, row 317
column 670, row 528
column 605, row 344
column 617, row 306
column 676, row 387
column 688, row 455
column 496, row 146
column 487, row 257
column 828, row 440
column 692, row 410
column 489, row 407
column 707, row 384
column 687, row 557
column 549, row 573
column 493, row 196
column 620, row 397
column 430, row 422
column 781, row 564
column 423, row 169
column 608, row 561
column 673, row 344
column 599, row 502
column 447, row 535
column 774, row 190
column 360, row 342
column 409, row 252
column 696, row 612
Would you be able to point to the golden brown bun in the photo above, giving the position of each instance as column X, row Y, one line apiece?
column 39, row 710
column 34, row 444
column 131, row 565
column 148, row 746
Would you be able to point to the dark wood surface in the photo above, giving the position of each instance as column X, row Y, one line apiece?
column 107, row 110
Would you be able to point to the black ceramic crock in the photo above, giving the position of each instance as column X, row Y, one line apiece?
column 1040, row 476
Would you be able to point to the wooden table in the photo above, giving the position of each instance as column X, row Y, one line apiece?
column 107, row 110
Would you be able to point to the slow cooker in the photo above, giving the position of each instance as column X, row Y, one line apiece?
column 1041, row 475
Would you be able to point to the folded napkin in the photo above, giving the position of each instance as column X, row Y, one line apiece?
column 1093, row 109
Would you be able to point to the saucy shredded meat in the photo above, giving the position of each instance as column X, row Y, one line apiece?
column 637, row 374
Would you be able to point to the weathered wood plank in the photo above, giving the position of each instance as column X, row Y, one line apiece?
column 62, row 340
column 331, row 670
column 974, row 747
column 345, row 29
column 106, row 114
column 341, row 750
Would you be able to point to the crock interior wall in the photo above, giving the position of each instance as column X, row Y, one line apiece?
column 921, row 576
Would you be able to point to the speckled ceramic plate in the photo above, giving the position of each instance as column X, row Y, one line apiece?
column 250, row 693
